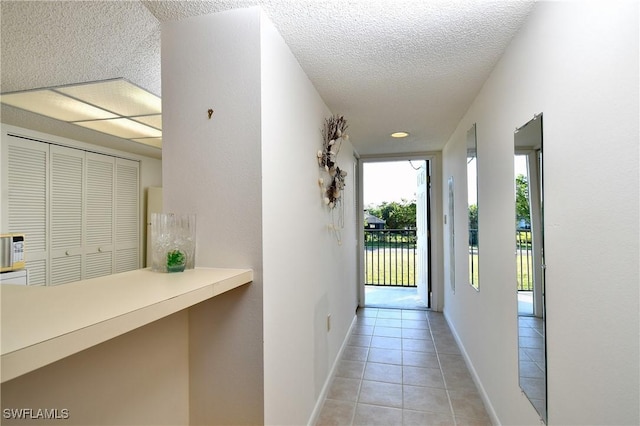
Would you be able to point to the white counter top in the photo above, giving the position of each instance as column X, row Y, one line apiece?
column 42, row 324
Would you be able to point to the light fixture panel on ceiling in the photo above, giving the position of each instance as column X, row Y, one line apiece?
column 119, row 96
column 115, row 107
column 122, row 128
column 55, row 105
column 150, row 120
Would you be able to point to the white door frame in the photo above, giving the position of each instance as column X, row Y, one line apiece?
column 436, row 224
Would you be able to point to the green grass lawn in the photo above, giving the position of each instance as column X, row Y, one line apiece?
column 524, row 271
column 390, row 267
column 395, row 267
column 473, row 270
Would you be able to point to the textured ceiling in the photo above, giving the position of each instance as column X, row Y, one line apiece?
column 386, row 65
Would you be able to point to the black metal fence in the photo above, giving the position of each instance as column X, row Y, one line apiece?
column 390, row 257
column 524, row 260
column 473, row 257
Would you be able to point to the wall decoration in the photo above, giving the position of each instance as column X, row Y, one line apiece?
column 333, row 133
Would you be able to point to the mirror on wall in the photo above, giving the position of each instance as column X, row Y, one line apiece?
column 452, row 238
column 472, row 197
column 530, row 266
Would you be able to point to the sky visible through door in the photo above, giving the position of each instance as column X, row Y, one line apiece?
column 389, row 181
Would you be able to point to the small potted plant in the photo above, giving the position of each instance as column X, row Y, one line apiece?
column 176, row 261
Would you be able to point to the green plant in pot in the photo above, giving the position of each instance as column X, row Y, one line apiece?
column 176, row 261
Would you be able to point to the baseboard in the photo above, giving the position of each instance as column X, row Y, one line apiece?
column 325, row 388
column 474, row 375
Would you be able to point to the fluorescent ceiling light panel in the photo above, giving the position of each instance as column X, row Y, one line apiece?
column 150, row 120
column 119, row 96
column 122, row 128
column 54, row 105
column 108, row 106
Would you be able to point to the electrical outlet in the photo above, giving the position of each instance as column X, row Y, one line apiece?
column 329, row 322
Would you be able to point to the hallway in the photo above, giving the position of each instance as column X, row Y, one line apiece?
column 402, row 367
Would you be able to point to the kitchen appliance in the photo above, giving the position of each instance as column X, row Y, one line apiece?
column 11, row 252
column 20, row 277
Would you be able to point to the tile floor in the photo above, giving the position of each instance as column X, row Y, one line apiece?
column 402, row 367
column 532, row 361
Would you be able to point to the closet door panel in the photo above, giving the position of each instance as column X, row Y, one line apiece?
column 127, row 213
column 66, row 214
column 99, row 227
column 25, row 167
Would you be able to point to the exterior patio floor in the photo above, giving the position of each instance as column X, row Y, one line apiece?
column 392, row 297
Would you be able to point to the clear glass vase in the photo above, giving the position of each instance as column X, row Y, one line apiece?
column 173, row 242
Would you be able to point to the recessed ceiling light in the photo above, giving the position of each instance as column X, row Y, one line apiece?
column 399, row 135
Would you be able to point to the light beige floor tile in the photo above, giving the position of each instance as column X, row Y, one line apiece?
column 418, row 345
column 534, row 388
column 447, row 347
column 390, row 363
column 359, row 340
column 531, row 342
column 536, row 355
column 344, row 389
column 389, row 322
column 530, row 369
column 413, row 333
column 420, row 359
column 468, row 404
column 419, row 324
column 420, row 398
column 386, row 342
column 385, row 356
column 366, row 320
column 389, row 313
column 387, row 331
column 423, row 418
column 363, row 330
column 350, row 369
column 336, row 413
column 527, row 332
column 416, row 315
column 464, row 421
column 371, row 415
column 419, row 376
column 355, row 353
column 458, row 379
column 379, row 393
column 383, row 372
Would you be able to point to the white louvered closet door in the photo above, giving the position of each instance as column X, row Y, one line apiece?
column 26, row 164
column 99, row 225
column 127, row 215
column 66, row 214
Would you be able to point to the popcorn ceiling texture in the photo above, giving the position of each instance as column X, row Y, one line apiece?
column 385, row 65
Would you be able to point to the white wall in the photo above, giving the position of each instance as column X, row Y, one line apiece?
column 213, row 168
column 578, row 64
column 250, row 174
column 307, row 273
